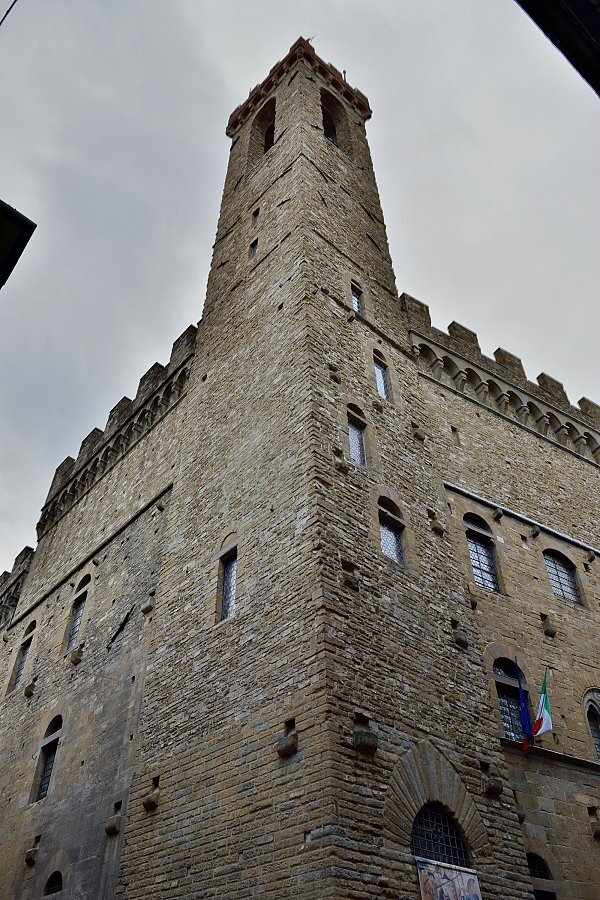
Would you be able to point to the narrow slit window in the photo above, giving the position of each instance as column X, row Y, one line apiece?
column 357, row 298
column 255, row 216
column 23, row 652
column 76, row 617
column 228, row 585
column 253, row 251
column 356, row 437
column 593, row 718
column 390, row 530
column 48, row 757
column 381, row 378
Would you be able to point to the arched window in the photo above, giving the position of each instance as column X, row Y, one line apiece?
column 228, row 579
column 262, row 132
column 77, row 608
column 481, row 550
column 54, row 884
column 507, row 689
column 390, row 529
column 22, row 656
column 562, row 575
column 593, row 720
column 540, row 873
column 357, row 426
column 381, row 375
column 336, row 127
column 48, row 750
column 435, row 836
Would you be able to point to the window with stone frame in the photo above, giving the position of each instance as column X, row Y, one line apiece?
column 437, row 837
column 391, row 527
column 562, row 575
column 228, row 584
column 77, row 608
column 482, row 552
column 507, row 690
column 47, row 756
column 541, row 876
column 357, row 297
column 22, row 655
column 382, row 378
column 593, row 720
column 357, row 427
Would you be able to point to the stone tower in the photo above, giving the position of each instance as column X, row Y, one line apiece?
column 264, row 645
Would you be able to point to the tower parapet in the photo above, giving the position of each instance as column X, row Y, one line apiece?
column 158, row 390
column 11, row 584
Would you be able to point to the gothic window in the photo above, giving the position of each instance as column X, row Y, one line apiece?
column 540, row 873
column 482, row 553
column 357, row 297
column 22, row 656
column 77, row 609
column 593, row 720
column 381, row 375
column 435, row 836
column 390, row 529
column 228, row 578
column 47, row 756
column 356, row 435
column 563, row 578
column 336, row 127
column 54, row 885
column 507, row 689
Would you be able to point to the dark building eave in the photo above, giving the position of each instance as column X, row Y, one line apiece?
column 574, row 27
column 15, row 232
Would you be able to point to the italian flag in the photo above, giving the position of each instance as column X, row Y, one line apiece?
column 543, row 719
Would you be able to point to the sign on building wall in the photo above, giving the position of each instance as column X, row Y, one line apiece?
column 441, row 881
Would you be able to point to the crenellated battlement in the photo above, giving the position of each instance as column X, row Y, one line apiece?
column 11, row 584
column 158, row 390
column 455, row 358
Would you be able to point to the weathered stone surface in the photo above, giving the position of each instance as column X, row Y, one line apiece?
column 240, row 445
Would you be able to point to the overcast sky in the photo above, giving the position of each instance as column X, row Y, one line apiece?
column 485, row 143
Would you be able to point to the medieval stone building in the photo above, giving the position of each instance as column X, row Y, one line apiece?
column 267, row 642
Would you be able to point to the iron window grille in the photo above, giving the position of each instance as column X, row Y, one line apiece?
column 483, row 561
column 537, row 866
column 228, row 586
column 562, row 576
column 507, row 689
column 435, row 836
column 48, row 757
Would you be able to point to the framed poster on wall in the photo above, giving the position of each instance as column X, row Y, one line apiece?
column 441, row 881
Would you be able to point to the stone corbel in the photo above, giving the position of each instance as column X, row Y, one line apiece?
column 502, row 402
column 460, row 379
column 482, row 391
column 437, row 367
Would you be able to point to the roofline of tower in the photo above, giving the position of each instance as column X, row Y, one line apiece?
column 301, row 49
